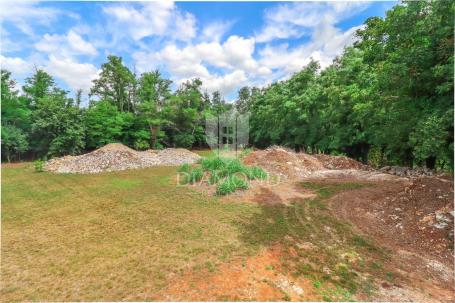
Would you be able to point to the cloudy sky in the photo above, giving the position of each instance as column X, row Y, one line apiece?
column 227, row 45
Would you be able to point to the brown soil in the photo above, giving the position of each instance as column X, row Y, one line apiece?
column 286, row 163
column 282, row 162
column 339, row 162
column 257, row 278
column 403, row 217
column 407, row 217
column 266, row 194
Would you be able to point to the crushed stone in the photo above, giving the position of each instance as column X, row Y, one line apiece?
column 117, row 157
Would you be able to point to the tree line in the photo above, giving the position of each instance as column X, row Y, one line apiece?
column 388, row 99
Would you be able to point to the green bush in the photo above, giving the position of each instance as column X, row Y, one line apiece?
column 234, row 166
column 184, row 140
column 255, row 172
column 39, row 166
column 185, row 168
column 214, row 163
column 196, row 175
column 225, row 188
column 214, row 177
column 230, row 185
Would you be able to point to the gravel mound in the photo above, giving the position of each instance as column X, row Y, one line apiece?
column 280, row 161
column 340, row 162
column 116, row 156
column 407, row 172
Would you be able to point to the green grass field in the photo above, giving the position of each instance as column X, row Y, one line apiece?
column 108, row 236
column 122, row 235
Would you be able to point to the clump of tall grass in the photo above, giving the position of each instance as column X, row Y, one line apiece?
column 229, row 174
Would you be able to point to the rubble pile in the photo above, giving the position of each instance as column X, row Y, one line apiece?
column 116, row 156
column 282, row 162
column 340, row 162
column 407, row 171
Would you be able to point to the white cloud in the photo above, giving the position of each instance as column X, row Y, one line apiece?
column 326, row 43
column 160, row 18
column 65, row 45
column 301, row 18
column 215, row 30
column 15, row 65
column 76, row 75
column 233, row 61
column 25, row 15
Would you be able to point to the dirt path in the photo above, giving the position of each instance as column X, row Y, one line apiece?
column 412, row 219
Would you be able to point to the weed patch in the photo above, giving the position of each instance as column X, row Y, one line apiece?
column 228, row 174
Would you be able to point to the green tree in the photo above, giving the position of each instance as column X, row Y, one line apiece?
column 116, row 84
column 153, row 92
column 57, row 126
column 104, row 124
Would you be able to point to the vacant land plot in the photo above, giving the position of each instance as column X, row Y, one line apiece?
column 135, row 235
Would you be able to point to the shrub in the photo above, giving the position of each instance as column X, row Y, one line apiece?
column 184, row 140
column 239, row 183
column 39, row 166
column 230, row 185
column 255, row 172
column 214, row 163
column 234, row 166
column 185, row 168
column 225, row 188
column 141, row 144
column 196, row 175
column 214, row 177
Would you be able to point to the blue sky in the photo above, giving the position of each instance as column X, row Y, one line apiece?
column 226, row 44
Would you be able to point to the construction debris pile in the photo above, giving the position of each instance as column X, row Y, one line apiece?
column 116, row 156
column 340, row 162
column 286, row 163
column 282, row 162
column 407, row 172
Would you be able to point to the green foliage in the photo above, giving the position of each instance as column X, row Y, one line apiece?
column 213, row 163
column 185, row 168
column 105, row 124
column 230, row 184
column 39, row 166
column 57, row 126
column 255, row 172
column 14, row 142
column 214, row 177
column 116, row 84
column 388, row 99
column 196, row 175
column 184, row 140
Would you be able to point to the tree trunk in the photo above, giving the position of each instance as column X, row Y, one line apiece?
column 154, row 131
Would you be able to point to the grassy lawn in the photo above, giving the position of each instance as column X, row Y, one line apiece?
column 123, row 235
column 109, row 236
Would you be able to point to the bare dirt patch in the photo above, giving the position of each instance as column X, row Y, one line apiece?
column 414, row 220
column 257, row 278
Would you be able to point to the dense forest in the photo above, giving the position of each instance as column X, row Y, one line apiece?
column 388, row 99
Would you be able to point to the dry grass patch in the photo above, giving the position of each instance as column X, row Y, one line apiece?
column 110, row 236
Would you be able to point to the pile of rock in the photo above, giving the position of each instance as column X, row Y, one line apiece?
column 407, row 172
column 340, row 162
column 282, row 162
column 116, row 157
